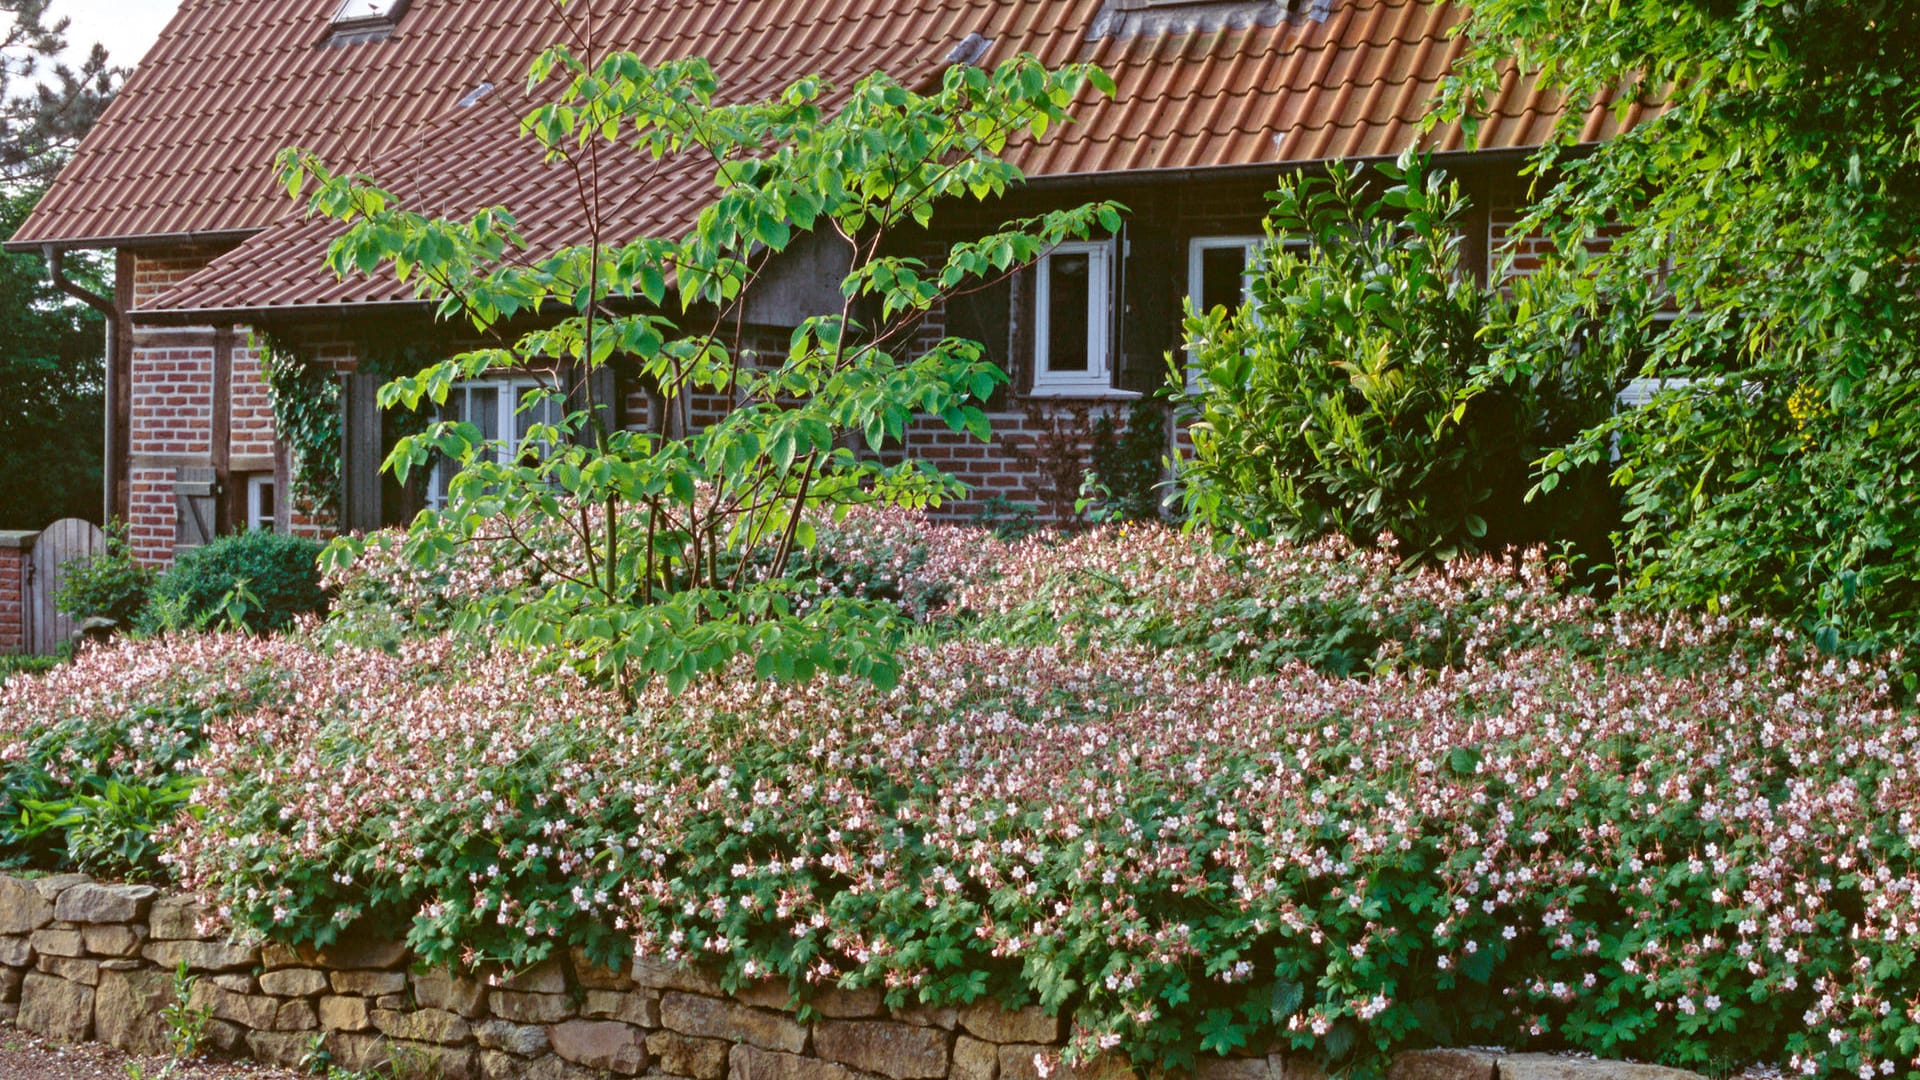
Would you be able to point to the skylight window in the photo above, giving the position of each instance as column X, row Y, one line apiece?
column 371, row 12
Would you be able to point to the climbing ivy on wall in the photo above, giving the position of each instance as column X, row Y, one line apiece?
column 305, row 395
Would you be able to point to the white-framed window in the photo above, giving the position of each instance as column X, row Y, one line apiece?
column 1220, row 270
column 1073, row 320
column 261, row 507
column 493, row 406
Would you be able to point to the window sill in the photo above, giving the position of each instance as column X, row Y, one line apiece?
column 1082, row 393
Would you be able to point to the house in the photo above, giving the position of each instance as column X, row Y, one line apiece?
column 1214, row 98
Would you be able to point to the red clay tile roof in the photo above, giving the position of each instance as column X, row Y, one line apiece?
column 188, row 147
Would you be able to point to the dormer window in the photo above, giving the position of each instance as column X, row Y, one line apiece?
column 364, row 20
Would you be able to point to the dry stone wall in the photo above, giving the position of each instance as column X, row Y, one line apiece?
column 81, row 960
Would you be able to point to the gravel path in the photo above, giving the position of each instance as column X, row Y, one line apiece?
column 29, row 1057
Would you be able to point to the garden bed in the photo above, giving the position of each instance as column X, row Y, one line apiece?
column 1194, row 805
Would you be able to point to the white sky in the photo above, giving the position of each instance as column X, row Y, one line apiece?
column 126, row 27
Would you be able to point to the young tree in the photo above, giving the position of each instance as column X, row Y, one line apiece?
column 1760, row 237
column 665, row 553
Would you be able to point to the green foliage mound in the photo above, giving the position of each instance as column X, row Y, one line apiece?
column 274, row 578
column 1351, row 396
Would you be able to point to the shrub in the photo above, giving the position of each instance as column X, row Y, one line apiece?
column 1352, row 396
column 110, row 585
column 1126, row 465
column 280, row 574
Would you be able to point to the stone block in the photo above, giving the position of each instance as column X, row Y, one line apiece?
column 274, row 955
column 1443, row 1065
column 53, row 1007
column 9, row 1011
column 1253, row 1068
column 248, row 1010
column 22, row 909
column 226, row 1036
column 277, row 1047
column 127, row 1010
column 495, row 1065
column 841, row 1004
column 393, row 1001
column 752, row 1063
column 988, row 1020
column 356, row 1052
column 442, row 989
column 201, row 955
column 296, row 1015
column 1028, row 1061
column 546, row 977
column 1549, row 1067
column 58, row 943
column 766, row 994
column 975, row 1059
column 361, row 950
column 684, row 1055
column 236, row 982
column 10, row 984
column 16, row 950
column 431, row 1061
column 337, row 1013
column 422, row 1025
column 712, row 1018
column 940, row 1016
column 112, row 940
column 51, row 886
column 93, row 903
column 660, row 975
column 530, row 1008
column 294, row 982
column 900, row 1051
column 594, row 977
column 527, row 1040
column 84, row 972
column 601, row 1044
column 175, row 918
column 369, row 983
column 641, row 1007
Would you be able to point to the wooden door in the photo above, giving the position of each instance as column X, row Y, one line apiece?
column 60, row 543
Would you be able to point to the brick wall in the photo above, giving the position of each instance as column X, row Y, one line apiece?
column 171, row 426
column 15, row 547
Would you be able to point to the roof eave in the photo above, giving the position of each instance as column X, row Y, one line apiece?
column 211, row 238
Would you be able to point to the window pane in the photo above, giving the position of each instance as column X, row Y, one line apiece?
column 1223, row 278
column 265, row 507
column 1069, row 283
column 483, row 410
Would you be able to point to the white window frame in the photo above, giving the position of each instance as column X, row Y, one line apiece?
column 511, row 388
column 1197, row 247
column 1097, row 380
column 262, row 514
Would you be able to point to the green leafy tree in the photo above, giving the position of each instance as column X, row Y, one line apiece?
column 645, row 554
column 51, row 348
column 1761, row 233
column 50, row 344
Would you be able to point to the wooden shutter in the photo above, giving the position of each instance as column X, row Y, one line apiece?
column 196, row 501
column 360, row 455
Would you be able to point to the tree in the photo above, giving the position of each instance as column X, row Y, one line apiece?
column 1760, row 233
column 51, row 346
column 645, row 553
column 40, row 128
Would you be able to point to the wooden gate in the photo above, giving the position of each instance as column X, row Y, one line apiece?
column 58, row 544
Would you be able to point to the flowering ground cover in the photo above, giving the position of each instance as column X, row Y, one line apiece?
column 1199, row 802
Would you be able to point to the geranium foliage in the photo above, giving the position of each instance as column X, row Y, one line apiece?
column 1685, row 839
